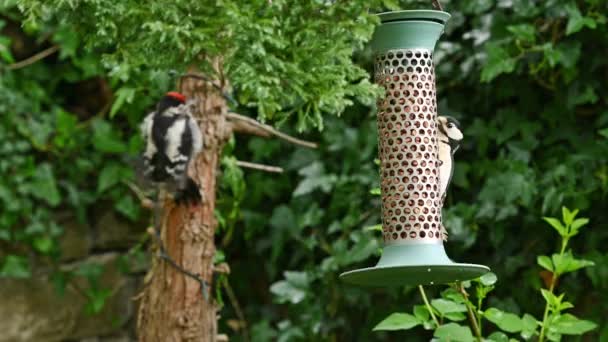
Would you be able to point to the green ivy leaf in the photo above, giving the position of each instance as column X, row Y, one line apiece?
column 392, row 5
column 43, row 185
column 398, row 321
column 568, row 324
column 498, row 62
column 362, row 250
column 454, row 332
column 565, row 53
column 576, row 21
column 91, row 271
column 233, row 176
column 299, row 279
column 108, row 177
column 43, row 244
column 124, row 94
column 292, row 289
column 113, row 174
column 583, row 95
column 5, row 52
column 504, row 320
column 15, row 266
column 66, row 126
column 60, row 281
column 524, row 32
column 219, row 256
column 476, row 7
column 263, row 331
column 5, row 234
column 128, row 207
column 105, row 139
column 287, row 292
column 97, row 300
column 315, row 178
column 68, row 40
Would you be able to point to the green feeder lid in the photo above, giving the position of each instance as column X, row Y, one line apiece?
column 415, row 264
column 418, row 15
column 409, row 30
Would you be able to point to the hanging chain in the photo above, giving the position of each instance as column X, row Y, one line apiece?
column 437, row 5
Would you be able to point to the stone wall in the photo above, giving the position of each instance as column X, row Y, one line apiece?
column 34, row 310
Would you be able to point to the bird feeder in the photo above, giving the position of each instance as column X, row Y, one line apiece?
column 413, row 252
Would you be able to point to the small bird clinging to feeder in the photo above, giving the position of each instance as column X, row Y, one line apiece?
column 449, row 135
column 172, row 139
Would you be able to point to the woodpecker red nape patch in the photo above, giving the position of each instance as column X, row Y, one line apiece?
column 181, row 98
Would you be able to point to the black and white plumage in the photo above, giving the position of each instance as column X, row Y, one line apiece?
column 172, row 139
column 449, row 135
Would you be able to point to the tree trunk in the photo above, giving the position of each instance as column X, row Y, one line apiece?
column 173, row 307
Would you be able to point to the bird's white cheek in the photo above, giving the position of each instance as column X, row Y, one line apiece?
column 455, row 134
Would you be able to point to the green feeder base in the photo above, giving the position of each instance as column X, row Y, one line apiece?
column 413, row 264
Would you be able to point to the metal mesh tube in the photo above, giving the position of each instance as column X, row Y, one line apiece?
column 408, row 150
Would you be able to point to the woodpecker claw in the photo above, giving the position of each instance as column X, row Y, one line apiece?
column 190, row 195
column 444, row 233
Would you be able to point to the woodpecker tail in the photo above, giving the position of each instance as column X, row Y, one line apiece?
column 189, row 194
column 444, row 233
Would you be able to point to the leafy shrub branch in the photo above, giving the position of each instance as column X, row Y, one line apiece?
column 447, row 316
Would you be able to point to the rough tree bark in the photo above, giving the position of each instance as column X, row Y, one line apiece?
column 172, row 307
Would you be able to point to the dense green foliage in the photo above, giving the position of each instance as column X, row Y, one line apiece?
column 524, row 78
column 264, row 46
column 58, row 153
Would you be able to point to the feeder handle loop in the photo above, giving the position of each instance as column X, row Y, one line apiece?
column 437, row 5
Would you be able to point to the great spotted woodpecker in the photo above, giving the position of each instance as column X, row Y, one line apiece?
column 172, row 139
column 449, row 135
